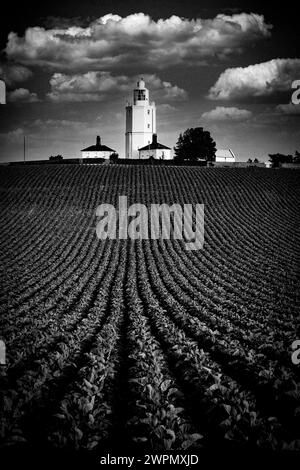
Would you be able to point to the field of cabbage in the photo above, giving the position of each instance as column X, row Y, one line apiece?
column 143, row 345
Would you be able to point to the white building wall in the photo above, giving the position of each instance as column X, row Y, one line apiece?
column 165, row 154
column 225, row 159
column 95, row 154
column 140, row 126
column 225, row 156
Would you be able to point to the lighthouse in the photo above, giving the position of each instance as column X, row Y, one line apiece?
column 140, row 121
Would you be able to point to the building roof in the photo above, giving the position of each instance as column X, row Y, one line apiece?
column 98, row 147
column 227, row 154
column 155, row 145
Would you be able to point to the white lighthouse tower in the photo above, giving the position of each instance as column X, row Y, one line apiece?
column 140, row 121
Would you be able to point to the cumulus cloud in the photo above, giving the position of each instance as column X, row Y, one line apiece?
column 12, row 136
column 162, row 90
column 263, row 79
column 221, row 113
column 136, row 41
column 22, row 95
column 13, row 73
column 46, row 124
column 166, row 108
column 99, row 86
column 91, row 86
column 288, row 109
column 51, row 22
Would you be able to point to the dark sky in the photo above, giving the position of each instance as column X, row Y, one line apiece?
column 55, row 101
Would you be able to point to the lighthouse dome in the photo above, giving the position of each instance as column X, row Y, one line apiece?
column 141, row 84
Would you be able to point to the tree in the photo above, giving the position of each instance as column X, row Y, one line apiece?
column 195, row 144
column 249, row 160
column 114, row 157
column 296, row 158
column 278, row 158
column 56, row 158
column 255, row 160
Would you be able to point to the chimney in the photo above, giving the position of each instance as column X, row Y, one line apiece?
column 154, row 139
column 98, row 141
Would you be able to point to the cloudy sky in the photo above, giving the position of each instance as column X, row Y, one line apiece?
column 70, row 67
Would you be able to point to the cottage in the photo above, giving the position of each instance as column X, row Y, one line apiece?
column 225, row 156
column 155, row 150
column 97, row 151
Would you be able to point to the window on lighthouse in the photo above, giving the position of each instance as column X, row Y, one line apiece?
column 141, row 95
